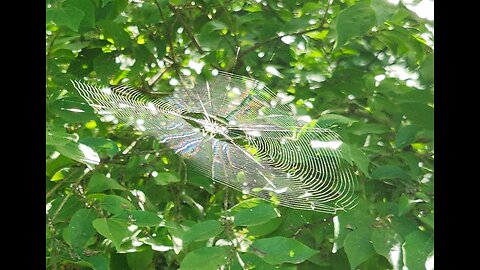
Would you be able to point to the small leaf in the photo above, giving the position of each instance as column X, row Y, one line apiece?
column 144, row 218
column 257, row 215
column 116, row 204
column 79, row 152
column 80, row 229
column 388, row 244
column 406, row 135
column 113, row 229
column 140, row 260
column 328, row 120
column 165, row 178
column 358, row 247
column 206, row 258
column 416, row 249
column 389, row 172
column 354, row 21
column 405, row 204
column 99, row 182
column 277, row 250
column 203, row 231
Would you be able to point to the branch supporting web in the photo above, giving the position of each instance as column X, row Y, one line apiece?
column 236, row 131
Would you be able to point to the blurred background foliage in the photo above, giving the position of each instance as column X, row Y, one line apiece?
column 363, row 68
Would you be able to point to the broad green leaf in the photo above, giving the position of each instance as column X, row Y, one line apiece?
column 265, row 228
column 419, row 113
column 428, row 220
column 388, row 244
column 345, row 222
column 257, row 215
column 331, row 119
column 251, row 260
column 203, row 231
column 277, row 250
column 116, row 32
column 99, row 182
column 140, row 260
column 69, row 16
column 405, row 204
column 116, row 204
column 165, row 178
column 358, row 246
column 406, row 135
column 65, row 209
column 87, row 7
column 73, row 109
column 80, row 229
column 426, row 70
column 96, row 262
column 113, row 229
column 383, row 10
column 416, row 249
column 206, row 258
column 357, row 156
column 79, row 152
column 144, row 218
column 389, row 172
column 354, row 21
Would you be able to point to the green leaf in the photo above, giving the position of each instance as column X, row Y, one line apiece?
column 116, row 204
column 428, row 220
column 80, row 229
column 406, row 135
column 359, row 217
column 357, row 156
column 79, row 152
column 418, row 245
column 65, row 209
column 101, row 145
column 69, row 16
column 388, row 244
column 426, row 70
column 354, row 21
column 140, row 260
column 257, row 215
column 277, row 250
column 206, row 258
column 405, row 204
column 358, row 247
column 328, row 120
column 87, row 7
column 389, row 172
column 254, row 262
column 419, row 113
column 265, row 228
column 73, row 109
column 113, row 229
column 383, row 10
column 116, row 32
column 203, row 231
column 96, row 262
column 144, row 218
column 165, row 178
column 99, row 182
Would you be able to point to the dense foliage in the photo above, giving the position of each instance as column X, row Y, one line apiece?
column 363, row 68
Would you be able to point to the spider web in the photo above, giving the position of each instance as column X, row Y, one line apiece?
column 236, row 131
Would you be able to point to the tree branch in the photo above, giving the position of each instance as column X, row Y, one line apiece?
column 187, row 27
column 272, row 39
